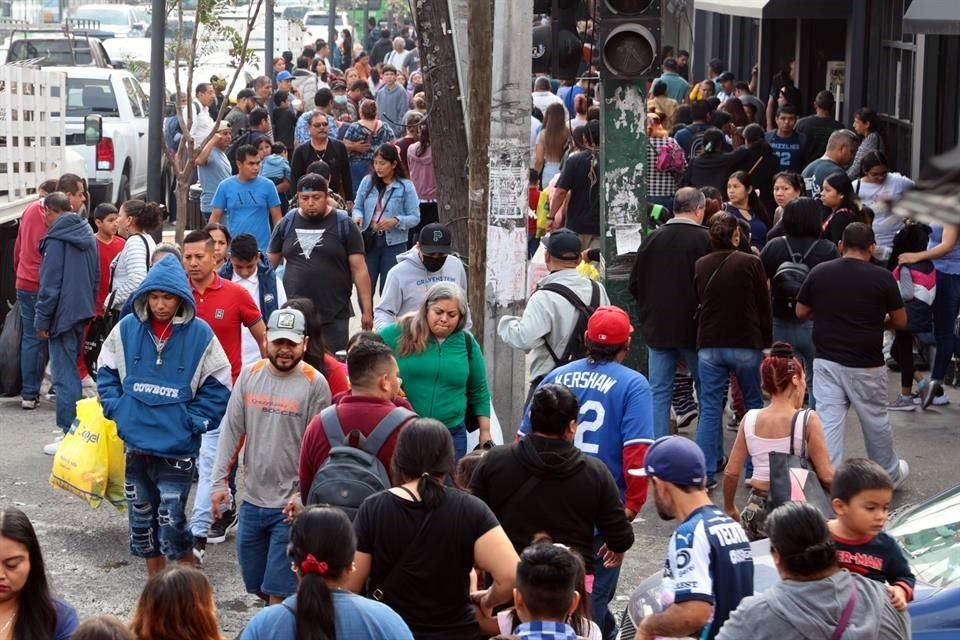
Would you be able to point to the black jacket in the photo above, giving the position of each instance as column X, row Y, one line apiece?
column 713, row 170
column 573, row 495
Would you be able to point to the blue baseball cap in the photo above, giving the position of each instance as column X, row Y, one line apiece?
column 676, row 460
column 284, row 75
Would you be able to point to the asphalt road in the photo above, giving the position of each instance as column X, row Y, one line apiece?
column 88, row 561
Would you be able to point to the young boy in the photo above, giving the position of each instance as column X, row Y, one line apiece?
column 276, row 168
column 861, row 493
column 109, row 245
column 546, row 593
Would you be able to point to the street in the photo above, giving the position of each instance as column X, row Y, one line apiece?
column 89, row 565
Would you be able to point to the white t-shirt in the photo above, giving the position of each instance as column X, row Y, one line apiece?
column 891, row 188
column 249, row 350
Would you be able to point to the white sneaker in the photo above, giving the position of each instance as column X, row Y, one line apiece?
column 903, row 471
column 52, row 448
column 29, row 405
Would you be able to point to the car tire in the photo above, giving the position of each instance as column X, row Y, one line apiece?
column 123, row 190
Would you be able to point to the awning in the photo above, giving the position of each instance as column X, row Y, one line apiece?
column 933, row 16
column 779, row 8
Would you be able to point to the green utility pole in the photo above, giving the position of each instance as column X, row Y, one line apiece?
column 623, row 194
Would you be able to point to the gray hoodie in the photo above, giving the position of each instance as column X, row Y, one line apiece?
column 407, row 285
column 793, row 610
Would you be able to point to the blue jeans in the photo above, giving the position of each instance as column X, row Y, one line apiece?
column 262, row 539
column 31, row 347
column 716, row 365
column 604, row 588
column 156, row 490
column 202, row 516
column 663, row 369
column 358, row 169
column 64, row 351
column 799, row 334
column 382, row 259
column 946, row 306
column 459, row 435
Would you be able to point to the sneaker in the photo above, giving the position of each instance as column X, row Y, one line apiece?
column 199, row 550
column 936, row 389
column 903, row 470
column 51, row 395
column 52, row 448
column 923, row 388
column 711, row 485
column 940, row 401
column 224, row 525
column 29, row 405
column 902, row 403
column 685, row 419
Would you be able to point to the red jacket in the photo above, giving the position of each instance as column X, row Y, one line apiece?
column 362, row 413
column 26, row 249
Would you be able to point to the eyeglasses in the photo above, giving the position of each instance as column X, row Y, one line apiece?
column 320, row 125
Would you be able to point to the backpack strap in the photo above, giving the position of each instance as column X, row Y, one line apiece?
column 809, row 250
column 469, row 343
column 789, row 248
column 286, row 224
column 146, row 247
column 332, row 427
column 343, row 226
column 567, row 294
column 384, row 429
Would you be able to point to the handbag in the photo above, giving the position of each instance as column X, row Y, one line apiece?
column 847, row 613
column 470, row 420
column 792, row 477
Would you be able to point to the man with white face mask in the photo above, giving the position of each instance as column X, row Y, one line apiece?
column 427, row 263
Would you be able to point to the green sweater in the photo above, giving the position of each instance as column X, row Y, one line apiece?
column 440, row 381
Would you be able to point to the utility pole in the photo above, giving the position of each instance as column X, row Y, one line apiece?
column 268, row 37
column 158, row 28
column 332, row 29
column 505, row 269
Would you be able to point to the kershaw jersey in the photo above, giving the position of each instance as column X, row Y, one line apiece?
column 709, row 559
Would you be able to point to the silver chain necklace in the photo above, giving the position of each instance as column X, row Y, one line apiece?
column 161, row 342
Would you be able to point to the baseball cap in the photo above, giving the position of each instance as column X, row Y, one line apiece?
column 338, row 85
column 676, row 460
column 435, row 238
column 284, row 75
column 563, row 244
column 726, row 76
column 223, row 125
column 286, row 324
column 609, row 325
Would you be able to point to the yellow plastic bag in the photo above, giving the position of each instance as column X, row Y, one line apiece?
column 90, row 463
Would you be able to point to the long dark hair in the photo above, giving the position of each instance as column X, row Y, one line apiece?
column 387, row 151
column 799, row 535
column 322, row 544
column 36, row 615
column 424, row 450
column 148, row 215
column 424, row 140
column 316, row 348
column 842, row 184
column 753, row 198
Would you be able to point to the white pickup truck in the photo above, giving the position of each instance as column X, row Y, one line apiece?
column 116, row 168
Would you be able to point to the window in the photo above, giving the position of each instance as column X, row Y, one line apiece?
column 133, row 98
column 86, row 96
column 891, row 86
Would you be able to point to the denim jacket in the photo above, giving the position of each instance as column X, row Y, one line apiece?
column 400, row 202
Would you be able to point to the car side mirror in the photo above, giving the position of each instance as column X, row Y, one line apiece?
column 92, row 129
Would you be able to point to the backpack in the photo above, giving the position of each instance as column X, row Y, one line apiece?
column 352, row 472
column 575, row 349
column 285, row 226
column 670, row 158
column 788, row 279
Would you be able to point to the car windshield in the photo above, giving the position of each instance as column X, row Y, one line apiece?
column 86, row 96
column 295, row 13
column 55, row 52
column 114, row 17
column 930, row 536
column 315, row 19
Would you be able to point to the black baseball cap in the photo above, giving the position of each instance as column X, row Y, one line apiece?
column 563, row 244
column 435, row 238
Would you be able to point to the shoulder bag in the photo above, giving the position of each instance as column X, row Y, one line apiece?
column 792, row 476
column 696, row 314
column 381, row 591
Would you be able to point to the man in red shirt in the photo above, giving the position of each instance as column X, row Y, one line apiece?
column 228, row 309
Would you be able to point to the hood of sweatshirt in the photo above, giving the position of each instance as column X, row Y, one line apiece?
column 549, row 457
column 73, row 229
column 814, row 608
column 167, row 275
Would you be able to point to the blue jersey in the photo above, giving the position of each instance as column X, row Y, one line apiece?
column 709, row 559
column 616, row 410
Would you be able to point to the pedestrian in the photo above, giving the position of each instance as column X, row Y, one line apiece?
column 760, row 163
column 851, row 302
column 213, row 166
column 782, row 258
column 283, row 120
column 323, row 254
column 543, row 96
column 752, row 105
column 842, row 204
column 103, row 628
column 813, row 592
column 201, row 125
column 666, row 163
column 362, row 139
column 176, row 603
column 346, row 45
column 238, row 117
column 386, row 208
column 840, row 149
column 743, row 203
column 429, row 262
column 789, row 145
column 685, row 136
column 381, row 47
column 878, row 188
column 578, row 189
column 819, row 126
column 545, row 484
column 66, row 300
column 713, row 165
column 553, row 142
column 420, row 161
column 734, row 326
column 272, row 402
column 221, row 243
column 247, row 202
column 317, row 355
column 322, row 547
column 109, row 246
column 580, row 108
column 137, row 222
column 442, row 365
column 866, row 123
column 787, row 187
column 321, row 146
column 411, row 127
column 677, row 87
column 393, row 101
column 421, row 512
column 27, row 606
column 183, row 384
column 782, row 427
column 163, row 250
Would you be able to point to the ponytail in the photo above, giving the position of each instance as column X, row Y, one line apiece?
column 315, row 618
column 430, row 490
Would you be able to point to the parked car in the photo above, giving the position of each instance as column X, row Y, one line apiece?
column 53, row 49
column 316, row 24
column 928, row 533
column 119, row 19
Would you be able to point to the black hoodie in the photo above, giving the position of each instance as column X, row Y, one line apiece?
column 573, row 495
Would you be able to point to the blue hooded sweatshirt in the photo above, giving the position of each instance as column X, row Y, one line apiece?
column 162, row 403
column 69, row 275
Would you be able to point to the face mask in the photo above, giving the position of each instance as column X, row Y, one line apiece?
column 432, row 263
column 340, row 99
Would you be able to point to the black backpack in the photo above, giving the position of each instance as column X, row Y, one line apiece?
column 575, row 347
column 352, row 472
column 788, row 279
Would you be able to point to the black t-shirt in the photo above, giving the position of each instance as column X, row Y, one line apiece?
column 583, row 199
column 818, row 132
column 431, row 591
column 317, row 261
column 776, row 253
column 335, row 155
column 850, row 299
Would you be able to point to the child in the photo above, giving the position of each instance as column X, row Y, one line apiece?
column 861, row 493
column 276, row 168
column 109, row 245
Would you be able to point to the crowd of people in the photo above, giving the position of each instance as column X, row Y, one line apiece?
column 767, row 285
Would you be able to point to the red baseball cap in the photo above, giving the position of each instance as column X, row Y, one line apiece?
column 609, row 325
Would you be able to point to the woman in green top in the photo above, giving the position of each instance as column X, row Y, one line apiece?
column 441, row 364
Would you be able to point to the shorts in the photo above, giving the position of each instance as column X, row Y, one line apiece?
column 156, row 489
column 262, row 538
column 753, row 517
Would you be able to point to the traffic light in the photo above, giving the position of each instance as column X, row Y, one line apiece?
column 629, row 38
column 557, row 47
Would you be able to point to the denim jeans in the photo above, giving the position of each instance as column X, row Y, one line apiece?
column 262, row 538
column 31, row 347
column 202, row 516
column 716, row 365
column 604, row 588
column 358, row 169
column 946, row 306
column 381, row 259
column 65, row 348
column 663, row 369
column 459, row 435
column 156, row 490
column 799, row 334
